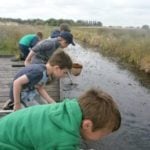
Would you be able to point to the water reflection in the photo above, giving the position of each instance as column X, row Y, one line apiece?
column 132, row 98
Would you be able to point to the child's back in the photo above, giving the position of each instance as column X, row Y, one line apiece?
column 58, row 126
column 42, row 127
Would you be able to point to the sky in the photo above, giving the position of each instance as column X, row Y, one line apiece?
column 109, row 12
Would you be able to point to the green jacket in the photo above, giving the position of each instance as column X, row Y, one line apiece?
column 43, row 127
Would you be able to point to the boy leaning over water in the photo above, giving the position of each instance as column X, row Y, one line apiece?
column 59, row 126
column 28, row 84
column 40, row 53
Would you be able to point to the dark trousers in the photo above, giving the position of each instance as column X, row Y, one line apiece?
column 24, row 51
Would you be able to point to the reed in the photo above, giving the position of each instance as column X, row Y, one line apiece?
column 130, row 45
column 10, row 35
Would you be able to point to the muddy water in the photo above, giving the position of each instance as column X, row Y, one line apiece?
column 133, row 99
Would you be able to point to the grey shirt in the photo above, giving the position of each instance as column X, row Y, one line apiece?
column 43, row 50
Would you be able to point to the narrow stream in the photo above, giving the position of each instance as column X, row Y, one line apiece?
column 133, row 99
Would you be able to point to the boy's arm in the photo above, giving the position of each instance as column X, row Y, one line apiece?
column 29, row 57
column 17, row 86
column 44, row 94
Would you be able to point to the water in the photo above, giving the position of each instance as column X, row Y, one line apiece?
column 133, row 99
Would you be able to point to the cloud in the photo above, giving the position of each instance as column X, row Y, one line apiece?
column 109, row 12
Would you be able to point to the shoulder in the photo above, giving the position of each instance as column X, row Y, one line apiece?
column 55, row 33
column 48, row 42
column 37, row 67
column 35, row 70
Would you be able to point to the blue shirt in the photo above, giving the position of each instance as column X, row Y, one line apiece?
column 34, row 74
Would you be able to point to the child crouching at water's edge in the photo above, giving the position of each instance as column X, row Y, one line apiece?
column 60, row 126
column 29, row 82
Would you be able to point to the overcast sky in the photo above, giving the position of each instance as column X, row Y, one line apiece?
column 109, row 12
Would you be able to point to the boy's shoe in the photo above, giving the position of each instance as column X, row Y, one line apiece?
column 8, row 105
column 15, row 59
column 18, row 58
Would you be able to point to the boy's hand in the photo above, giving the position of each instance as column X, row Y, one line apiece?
column 17, row 106
column 44, row 94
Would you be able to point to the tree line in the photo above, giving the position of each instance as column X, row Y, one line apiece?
column 53, row 22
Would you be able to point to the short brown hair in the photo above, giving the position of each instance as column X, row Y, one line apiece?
column 39, row 34
column 100, row 108
column 61, row 59
column 64, row 27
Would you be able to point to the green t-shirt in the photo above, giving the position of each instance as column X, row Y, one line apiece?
column 27, row 39
column 43, row 127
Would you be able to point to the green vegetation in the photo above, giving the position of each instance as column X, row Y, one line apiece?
column 10, row 35
column 52, row 22
column 130, row 45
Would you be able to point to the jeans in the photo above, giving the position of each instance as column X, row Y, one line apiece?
column 29, row 98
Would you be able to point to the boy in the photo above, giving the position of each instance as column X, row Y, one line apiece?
column 26, row 43
column 58, row 126
column 29, row 82
column 63, row 27
column 43, row 50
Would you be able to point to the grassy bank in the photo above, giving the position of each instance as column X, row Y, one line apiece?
column 130, row 45
column 10, row 35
